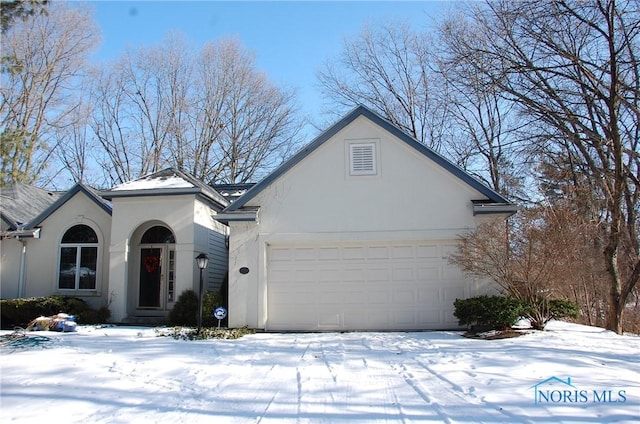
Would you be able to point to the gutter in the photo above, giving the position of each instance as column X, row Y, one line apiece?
column 23, row 266
column 20, row 234
column 495, row 208
column 242, row 215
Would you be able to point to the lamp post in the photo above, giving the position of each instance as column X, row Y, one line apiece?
column 202, row 261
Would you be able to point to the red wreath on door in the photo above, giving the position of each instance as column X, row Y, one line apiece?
column 151, row 263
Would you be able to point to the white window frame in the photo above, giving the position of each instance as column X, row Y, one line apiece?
column 77, row 273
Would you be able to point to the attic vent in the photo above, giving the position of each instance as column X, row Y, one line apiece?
column 363, row 158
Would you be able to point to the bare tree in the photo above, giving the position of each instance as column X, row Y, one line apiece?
column 388, row 69
column 43, row 62
column 212, row 115
column 245, row 125
column 484, row 128
column 401, row 74
column 572, row 68
column 76, row 146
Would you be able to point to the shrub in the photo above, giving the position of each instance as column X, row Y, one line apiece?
column 19, row 312
column 487, row 312
column 185, row 311
column 182, row 333
column 541, row 311
column 500, row 312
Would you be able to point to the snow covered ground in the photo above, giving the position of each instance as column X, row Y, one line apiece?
column 570, row 373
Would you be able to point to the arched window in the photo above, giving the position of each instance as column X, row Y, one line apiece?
column 158, row 235
column 78, row 259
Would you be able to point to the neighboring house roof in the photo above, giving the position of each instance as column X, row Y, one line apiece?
column 78, row 188
column 232, row 192
column 21, row 203
column 495, row 202
column 169, row 181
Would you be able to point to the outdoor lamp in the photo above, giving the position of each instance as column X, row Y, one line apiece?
column 202, row 260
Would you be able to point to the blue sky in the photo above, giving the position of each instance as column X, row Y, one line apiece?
column 291, row 39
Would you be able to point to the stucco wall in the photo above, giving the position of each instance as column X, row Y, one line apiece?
column 189, row 219
column 42, row 255
column 410, row 198
column 10, row 252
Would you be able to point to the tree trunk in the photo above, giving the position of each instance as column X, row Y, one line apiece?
column 616, row 300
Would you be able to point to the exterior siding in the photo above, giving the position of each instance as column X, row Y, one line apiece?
column 42, row 258
column 318, row 201
column 218, row 258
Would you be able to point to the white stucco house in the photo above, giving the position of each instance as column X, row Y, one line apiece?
column 352, row 233
column 131, row 248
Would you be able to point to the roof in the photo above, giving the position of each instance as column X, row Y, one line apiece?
column 232, row 192
column 21, row 203
column 169, row 181
column 78, row 188
column 458, row 172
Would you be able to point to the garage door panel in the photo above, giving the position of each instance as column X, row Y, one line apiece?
column 404, row 297
column 430, row 295
column 377, row 297
column 453, row 293
column 328, row 254
column 428, row 252
column 371, row 286
column 353, row 253
column 354, row 275
column 402, row 252
column 403, row 274
column 304, row 254
column 378, row 274
column 377, row 252
column 428, row 273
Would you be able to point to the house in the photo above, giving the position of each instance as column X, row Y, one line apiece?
column 354, row 233
column 131, row 248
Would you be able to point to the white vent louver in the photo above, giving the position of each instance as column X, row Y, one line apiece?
column 363, row 159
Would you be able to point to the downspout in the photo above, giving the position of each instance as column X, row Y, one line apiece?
column 23, row 263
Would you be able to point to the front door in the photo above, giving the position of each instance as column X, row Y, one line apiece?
column 150, row 294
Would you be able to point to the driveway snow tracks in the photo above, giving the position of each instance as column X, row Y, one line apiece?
column 126, row 374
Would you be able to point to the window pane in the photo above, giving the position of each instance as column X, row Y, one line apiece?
column 158, row 234
column 88, row 261
column 80, row 234
column 67, row 277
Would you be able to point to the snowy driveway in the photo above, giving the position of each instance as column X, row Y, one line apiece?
column 127, row 375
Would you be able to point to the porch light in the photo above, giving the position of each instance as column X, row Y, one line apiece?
column 202, row 261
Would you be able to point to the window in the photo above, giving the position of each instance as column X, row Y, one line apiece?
column 158, row 234
column 362, row 159
column 78, row 259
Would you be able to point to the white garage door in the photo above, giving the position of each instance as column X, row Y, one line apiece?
column 372, row 286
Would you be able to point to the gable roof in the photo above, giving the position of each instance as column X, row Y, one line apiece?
column 21, row 203
column 494, row 197
column 169, row 181
column 78, row 188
